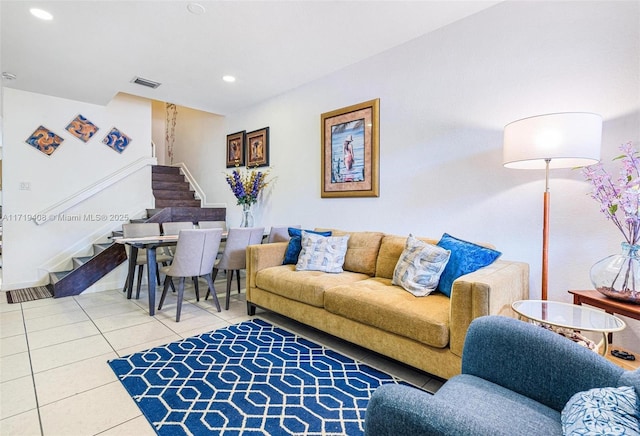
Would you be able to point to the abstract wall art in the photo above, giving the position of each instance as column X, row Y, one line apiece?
column 116, row 140
column 82, row 128
column 44, row 140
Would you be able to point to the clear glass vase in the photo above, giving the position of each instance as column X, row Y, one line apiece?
column 247, row 216
column 618, row 276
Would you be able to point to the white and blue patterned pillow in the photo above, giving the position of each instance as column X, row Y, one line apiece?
column 322, row 253
column 419, row 267
column 602, row 411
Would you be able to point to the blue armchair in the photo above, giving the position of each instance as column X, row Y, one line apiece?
column 516, row 378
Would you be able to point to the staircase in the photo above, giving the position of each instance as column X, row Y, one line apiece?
column 170, row 188
column 174, row 201
column 87, row 270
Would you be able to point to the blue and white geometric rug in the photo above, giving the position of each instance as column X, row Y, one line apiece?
column 250, row 378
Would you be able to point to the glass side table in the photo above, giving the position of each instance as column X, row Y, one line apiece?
column 570, row 316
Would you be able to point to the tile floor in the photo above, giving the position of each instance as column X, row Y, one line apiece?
column 54, row 379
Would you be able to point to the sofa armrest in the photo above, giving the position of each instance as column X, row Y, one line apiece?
column 402, row 410
column 533, row 361
column 263, row 256
column 487, row 291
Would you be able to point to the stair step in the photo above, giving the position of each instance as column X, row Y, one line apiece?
column 162, row 177
column 165, row 169
column 174, row 186
column 99, row 248
column 163, row 194
column 117, row 234
column 58, row 275
column 177, row 203
column 79, row 261
column 138, row 220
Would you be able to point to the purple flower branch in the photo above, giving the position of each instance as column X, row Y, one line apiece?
column 620, row 200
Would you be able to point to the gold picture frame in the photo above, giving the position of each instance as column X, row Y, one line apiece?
column 350, row 151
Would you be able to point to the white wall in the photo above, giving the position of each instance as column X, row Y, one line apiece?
column 29, row 249
column 200, row 145
column 158, row 132
column 445, row 99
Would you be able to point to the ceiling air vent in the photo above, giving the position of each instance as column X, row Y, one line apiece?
column 145, row 82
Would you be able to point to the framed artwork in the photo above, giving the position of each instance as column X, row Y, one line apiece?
column 82, row 128
column 44, row 140
column 235, row 149
column 350, row 151
column 258, row 148
column 116, row 140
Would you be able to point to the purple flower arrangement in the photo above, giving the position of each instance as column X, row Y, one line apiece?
column 247, row 185
column 619, row 199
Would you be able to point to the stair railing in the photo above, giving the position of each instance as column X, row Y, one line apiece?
column 200, row 194
column 52, row 212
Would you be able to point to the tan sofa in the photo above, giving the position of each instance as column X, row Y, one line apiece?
column 361, row 305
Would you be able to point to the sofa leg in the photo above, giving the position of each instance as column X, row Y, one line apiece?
column 251, row 309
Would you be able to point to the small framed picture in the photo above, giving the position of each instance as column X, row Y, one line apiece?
column 350, row 151
column 44, row 140
column 82, row 128
column 235, row 149
column 258, row 148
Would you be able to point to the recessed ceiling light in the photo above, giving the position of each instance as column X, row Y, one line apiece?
column 40, row 13
column 229, row 79
column 196, row 8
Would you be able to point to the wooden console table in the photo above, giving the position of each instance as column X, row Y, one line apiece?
column 596, row 299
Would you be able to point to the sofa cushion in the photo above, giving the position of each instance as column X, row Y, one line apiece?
column 466, row 257
column 610, row 411
column 295, row 245
column 304, row 286
column 362, row 250
column 419, row 267
column 508, row 412
column 376, row 302
column 322, row 253
column 391, row 247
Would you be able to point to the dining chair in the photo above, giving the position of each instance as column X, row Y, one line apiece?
column 137, row 230
column 195, row 255
column 234, row 256
column 174, row 227
column 280, row 233
column 215, row 225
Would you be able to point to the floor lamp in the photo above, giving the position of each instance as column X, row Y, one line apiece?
column 562, row 140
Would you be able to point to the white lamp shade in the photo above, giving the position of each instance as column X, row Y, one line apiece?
column 567, row 140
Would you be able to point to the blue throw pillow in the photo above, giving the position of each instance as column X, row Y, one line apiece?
column 610, row 411
column 295, row 245
column 466, row 257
